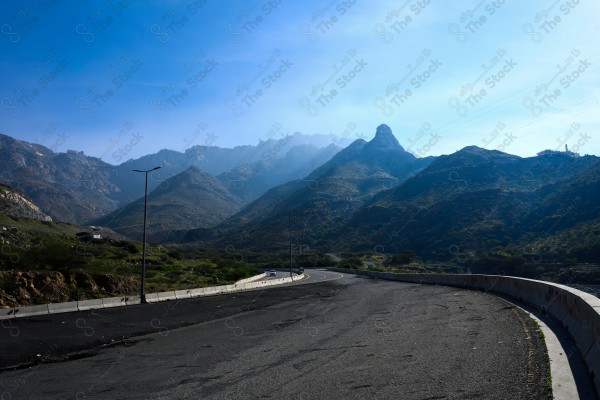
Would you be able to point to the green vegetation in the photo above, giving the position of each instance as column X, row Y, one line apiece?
column 58, row 256
column 76, row 262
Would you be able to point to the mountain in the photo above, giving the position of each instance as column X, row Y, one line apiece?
column 322, row 200
column 248, row 170
column 15, row 204
column 191, row 199
column 69, row 187
column 474, row 199
column 75, row 188
column 250, row 181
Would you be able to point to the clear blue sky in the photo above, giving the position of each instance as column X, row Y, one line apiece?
column 119, row 79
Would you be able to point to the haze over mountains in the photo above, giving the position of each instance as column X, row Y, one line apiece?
column 378, row 198
column 72, row 187
column 325, row 198
column 371, row 196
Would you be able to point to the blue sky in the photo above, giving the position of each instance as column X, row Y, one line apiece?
column 119, row 79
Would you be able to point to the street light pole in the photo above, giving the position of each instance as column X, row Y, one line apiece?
column 290, row 234
column 142, row 293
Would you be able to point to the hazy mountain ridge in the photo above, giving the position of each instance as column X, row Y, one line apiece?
column 191, row 199
column 371, row 196
column 471, row 201
column 233, row 165
column 76, row 188
column 325, row 198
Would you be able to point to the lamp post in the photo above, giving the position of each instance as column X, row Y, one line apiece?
column 142, row 294
column 290, row 235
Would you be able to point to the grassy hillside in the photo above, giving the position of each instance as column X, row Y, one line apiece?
column 43, row 261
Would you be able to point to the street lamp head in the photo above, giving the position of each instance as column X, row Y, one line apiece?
column 150, row 170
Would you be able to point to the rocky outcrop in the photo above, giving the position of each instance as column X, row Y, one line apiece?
column 15, row 204
column 39, row 287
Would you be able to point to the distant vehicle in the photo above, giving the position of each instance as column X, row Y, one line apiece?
column 272, row 273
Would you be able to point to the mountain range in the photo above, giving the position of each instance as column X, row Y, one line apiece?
column 375, row 197
column 477, row 199
column 325, row 198
column 75, row 188
column 372, row 196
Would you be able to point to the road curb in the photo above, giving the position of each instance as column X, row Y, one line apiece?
column 110, row 302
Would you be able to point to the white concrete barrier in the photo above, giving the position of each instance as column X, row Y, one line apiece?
column 31, row 311
column 92, row 304
column 109, row 302
column 152, row 297
column 252, row 278
column 197, row 292
column 84, row 305
column 577, row 311
column 132, row 300
column 6, row 313
column 162, row 296
column 182, row 294
column 210, row 290
column 56, row 308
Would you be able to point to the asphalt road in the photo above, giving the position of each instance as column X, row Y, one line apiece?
column 344, row 338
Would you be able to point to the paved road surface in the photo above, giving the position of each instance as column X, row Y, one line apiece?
column 347, row 338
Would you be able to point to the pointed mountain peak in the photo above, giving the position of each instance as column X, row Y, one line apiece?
column 384, row 130
column 383, row 142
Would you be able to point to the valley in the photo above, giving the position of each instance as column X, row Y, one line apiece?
column 214, row 218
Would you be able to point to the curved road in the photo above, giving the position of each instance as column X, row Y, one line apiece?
column 339, row 337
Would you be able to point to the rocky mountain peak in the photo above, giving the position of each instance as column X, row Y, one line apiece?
column 383, row 144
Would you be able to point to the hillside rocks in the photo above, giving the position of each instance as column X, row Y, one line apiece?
column 19, row 288
column 15, row 204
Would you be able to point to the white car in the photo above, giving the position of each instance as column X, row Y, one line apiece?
column 272, row 273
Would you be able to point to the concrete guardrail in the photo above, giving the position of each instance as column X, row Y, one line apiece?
column 109, row 302
column 55, row 308
column 93, row 304
column 252, row 278
column 577, row 311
